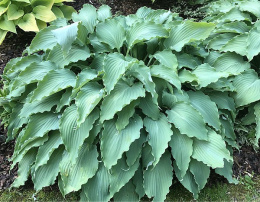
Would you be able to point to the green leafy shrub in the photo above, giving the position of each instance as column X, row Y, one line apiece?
column 30, row 15
column 114, row 105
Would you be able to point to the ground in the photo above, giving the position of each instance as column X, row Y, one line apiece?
column 246, row 160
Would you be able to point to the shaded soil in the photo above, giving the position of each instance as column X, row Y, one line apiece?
column 246, row 160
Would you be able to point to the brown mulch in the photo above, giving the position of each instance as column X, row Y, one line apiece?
column 246, row 160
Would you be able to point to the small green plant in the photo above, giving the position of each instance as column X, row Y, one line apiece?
column 113, row 105
column 30, row 15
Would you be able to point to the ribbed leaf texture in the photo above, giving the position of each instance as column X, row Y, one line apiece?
column 114, row 104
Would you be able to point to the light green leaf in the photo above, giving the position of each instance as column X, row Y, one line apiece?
column 74, row 175
column 206, row 107
column 121, row 96
column 14, row 13
column 247, row 88
column 111, row 33
column 187, row 32
column 167, row 58
column 53, row 82
column 7, row 25
column 159, row 134
column 104, row 12
column 43, row 13
column 188, row 120
column 87, row 99
column 181, row 148
column 47, row 3
column 73, row 136
column 46, row 174
column 158, row 179
column 251, row 6
column 114, row 143
column 28, row 23
column 2, row 35
column 216, row 150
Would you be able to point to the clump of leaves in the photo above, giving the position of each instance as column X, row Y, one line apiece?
column 30, row 15
column 115, row 104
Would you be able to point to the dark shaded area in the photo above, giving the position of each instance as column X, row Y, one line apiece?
column 245, row 161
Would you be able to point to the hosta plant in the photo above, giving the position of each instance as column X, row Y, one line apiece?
column 30, row 15
column 115, row 106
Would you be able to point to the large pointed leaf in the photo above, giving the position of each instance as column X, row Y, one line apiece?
column 237, row 45
column 104, row 12
column 227, row 171
column 157, row 180
column 188, row 120
column 206, row 107
column 54, row 81
column 127, row 193
column 159, row 134
column 111, row 33
column 73, row 137
column 43, row 13
column 181, row 148
column 216, row 150
column 167, row 58
column 74, row 175
column 149, row 108
column 87, row 99
column 46, row 174
column 142, row 31
column 114, row 143
column 253, row 42
column 115, row 66
column 97, row 188
column 247, row 88
column 121, row 96
column 187, row 32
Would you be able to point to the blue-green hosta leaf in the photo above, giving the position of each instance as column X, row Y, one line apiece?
column 104, row 12
column 181, row 148
column 111, row 33
column 115, row 66
column 87, row 99
column 144, row 31
column 24, row 167
column 251, row 7
column 159, row 134
column 233, row 27
column 187, row 181
column 46, row 174
column 158, row 179
column 253, row 42
column 207, row 74
column 44, row 40
column 83, row 77
column 200, row 172
column 74, row 175
column 237, row 45
column 45, row 151
column 212, row 57
column 216, row 150
column 66, row 35
column 257, row 119
column 43, row 105
column 231, row 63
column 187, row 60
column 167, row 58
column 88, row 16
column 33, row 73
column 167, row 74
column 247, row 88
column 64, row 100
column 73, row 136
column 206, row 107
column 134, row 152
column 121, row 173
column 142, row 73
column 149, row 108
column 121, row 96
column 114, row 143
column 98, row 46
column 53, row 82
column 187, row 76
column 227, row 172
column 219, row 41
column 143, row 12
column 127, row 193
column 234, row 15
column 187, row 32
column 97, row 188
column 138, row 182
column 125, row 114
column 75, row 54
column 188, row 120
